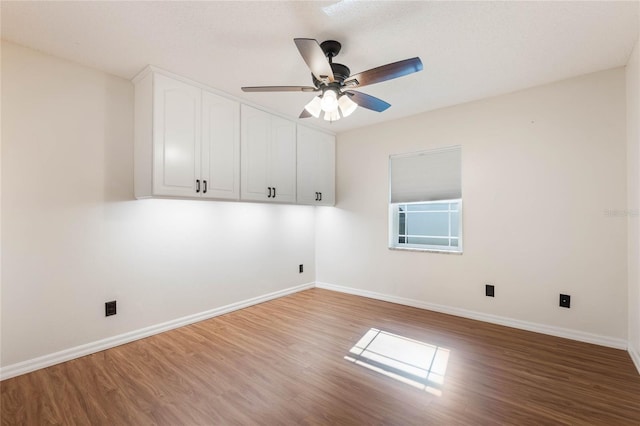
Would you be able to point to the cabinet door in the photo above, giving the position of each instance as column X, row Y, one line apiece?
column 326, row 169
column 282, row 160
column 176, row 137
column 255, row 138
column 316, row 167
column 220, row 152
column 307, row 166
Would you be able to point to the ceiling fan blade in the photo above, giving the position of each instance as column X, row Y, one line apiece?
column 313, row 55
column 368, row 101
column 279, row 89
column 385, row 72
column 304, row 114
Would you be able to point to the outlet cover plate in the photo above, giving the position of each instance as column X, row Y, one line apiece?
column 489, row 290
column 110, row 308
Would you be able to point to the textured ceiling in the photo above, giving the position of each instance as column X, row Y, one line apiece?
column 470, row 50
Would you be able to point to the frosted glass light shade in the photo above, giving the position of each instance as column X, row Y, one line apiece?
column 331, row 106
column 329, row 101
column 347, row 106
column 314, row 107
column 332, row 115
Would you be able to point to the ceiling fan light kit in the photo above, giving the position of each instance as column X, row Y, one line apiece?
column 332, row 79
column 331, row 105
column 329, row 101
column 314, row 107
column 332, row 115
column 347, row 106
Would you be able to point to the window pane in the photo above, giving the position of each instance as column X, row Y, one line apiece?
column 430, row 224
column 429, row 241
column 455, row 223
column 433, row 225
column 401, row 223
column 427, row 207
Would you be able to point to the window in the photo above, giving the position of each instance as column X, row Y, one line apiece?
column 429, row 225
column 425, row 208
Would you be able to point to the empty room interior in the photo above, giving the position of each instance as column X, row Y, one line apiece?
column 325, row 212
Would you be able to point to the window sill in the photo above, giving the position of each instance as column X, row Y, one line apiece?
column 425, row 250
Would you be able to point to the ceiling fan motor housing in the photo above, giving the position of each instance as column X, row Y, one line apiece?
column 331, row 48
column 340, row 74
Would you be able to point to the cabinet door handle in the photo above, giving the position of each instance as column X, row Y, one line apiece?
column 274, row 192
column 320, row 196
column 317, row 195
column 204, row 190
column 197, row 185
column 269, row 188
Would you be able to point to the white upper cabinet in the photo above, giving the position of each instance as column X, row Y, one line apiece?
column 193, row 143
column 220, row 152
column 315, row 167
column 186, row 140
column 268, row 152
column 176, row 137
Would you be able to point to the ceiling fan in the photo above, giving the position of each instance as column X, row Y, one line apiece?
column 335, row 81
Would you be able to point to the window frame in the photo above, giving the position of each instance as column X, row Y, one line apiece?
column 394, row 228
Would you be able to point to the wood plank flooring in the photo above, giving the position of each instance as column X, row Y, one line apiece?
column 282, row 363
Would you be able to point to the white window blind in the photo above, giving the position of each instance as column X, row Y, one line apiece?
column 426, row 176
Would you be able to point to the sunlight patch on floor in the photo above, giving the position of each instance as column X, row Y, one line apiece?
column 409, row 361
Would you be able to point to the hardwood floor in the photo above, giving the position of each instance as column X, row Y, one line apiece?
column 283, row 362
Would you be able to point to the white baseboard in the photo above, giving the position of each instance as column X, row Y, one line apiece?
column 494, row 319
column 635, row 357
column 19, row 368
column 24, row 367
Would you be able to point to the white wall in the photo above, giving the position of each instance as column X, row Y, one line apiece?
column 540, row 169
column 633, row 199
column 74, row 237
column 0, row 207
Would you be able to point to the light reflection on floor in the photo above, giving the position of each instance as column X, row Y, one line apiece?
column 409, row 361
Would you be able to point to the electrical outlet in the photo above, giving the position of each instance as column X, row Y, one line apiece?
column 301, row 269
column 565, row 301
column 489, row 290
column 110, row 308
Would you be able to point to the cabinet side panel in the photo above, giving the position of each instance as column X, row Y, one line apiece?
column 143, row 137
